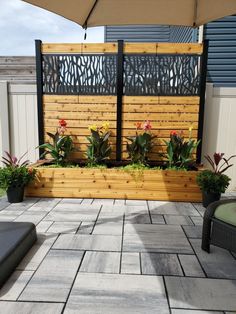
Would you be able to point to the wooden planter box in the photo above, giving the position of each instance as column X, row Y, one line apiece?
column 166, row 185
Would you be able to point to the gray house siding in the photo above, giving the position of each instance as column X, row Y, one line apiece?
column 222, row 44
column 222, row 51
column 139, row 33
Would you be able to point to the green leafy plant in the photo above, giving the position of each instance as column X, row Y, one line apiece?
column 180, row 151
column 99, row 149
column 15, row 173
column 61, row 147
column 140, row 144
column 214, row 181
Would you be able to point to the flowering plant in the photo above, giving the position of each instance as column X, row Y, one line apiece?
column 62, row 144
column 141, row 143
column 16, row 172
column 99, row 149
column 180, row 151
column 214, row 181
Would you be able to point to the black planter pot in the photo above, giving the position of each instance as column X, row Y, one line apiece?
column 15, row 194
column 208, row 198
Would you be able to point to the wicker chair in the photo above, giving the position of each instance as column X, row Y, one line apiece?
column 217, row 232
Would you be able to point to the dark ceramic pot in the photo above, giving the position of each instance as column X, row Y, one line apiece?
column 15, row 194
column 208, row 198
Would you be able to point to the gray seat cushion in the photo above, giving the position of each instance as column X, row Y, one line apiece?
column 16, row 238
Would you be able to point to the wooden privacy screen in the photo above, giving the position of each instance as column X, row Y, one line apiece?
column 174, row 108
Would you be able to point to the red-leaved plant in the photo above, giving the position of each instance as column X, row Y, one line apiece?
column 218, row 163
column 14, row 162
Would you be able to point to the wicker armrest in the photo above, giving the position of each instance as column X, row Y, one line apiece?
column 207, row 219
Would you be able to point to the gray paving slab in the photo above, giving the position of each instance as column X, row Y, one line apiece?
column 45, row 204
column 158, row 219
column 191, row 266
column 86, row 227
column 54, row 277
column 136, row 202
column 15, row 285
column 70, row 216
column 43, row 226
column 138, row 218
column 71, row 201
column 160, row 264
column 130, row 263
column 34, row 217
column 110, row 293
column 35, row 256
column 172, row 208
column 155, row 238
column 111, row 228
column 218, row 264
column 87, row 201
column 8, row 217
column 78, row 208
column 201, row 209
column 175, row 311
column 201, row 293
column 30, row 308
column 101, row 262
column 11, row 212
column 198, row 221
column 64, row 227
column 178, row 220
column 119, row 202
column 102, row 201
column 193, row 231
column 93, row 242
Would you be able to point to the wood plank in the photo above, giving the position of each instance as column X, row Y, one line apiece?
column 143, row 108
column 99, row 116
column 79, row 48
column 126, row 124
column 192, row 100
column 172, row 48
column 76, row 99
column 88, row 107
column 162, row 133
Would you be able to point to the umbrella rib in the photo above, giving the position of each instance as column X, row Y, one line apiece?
column 90, row 12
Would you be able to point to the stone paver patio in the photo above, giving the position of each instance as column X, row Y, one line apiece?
column 116, row 256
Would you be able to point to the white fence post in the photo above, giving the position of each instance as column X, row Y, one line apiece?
column 4, row 119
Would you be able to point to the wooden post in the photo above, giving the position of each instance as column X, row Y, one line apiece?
column 4, row 120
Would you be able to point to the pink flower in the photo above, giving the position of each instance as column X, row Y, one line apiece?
column 147, row 125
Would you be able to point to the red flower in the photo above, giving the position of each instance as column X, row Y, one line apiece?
column 138, row 125
column 30, row 170
column 173, row 133
column 147, row 125
column 218, row 157
column 62, row 123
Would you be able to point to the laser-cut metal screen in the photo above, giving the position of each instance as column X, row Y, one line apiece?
column 144, row 74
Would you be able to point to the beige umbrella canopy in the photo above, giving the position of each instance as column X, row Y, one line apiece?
column 89, row 13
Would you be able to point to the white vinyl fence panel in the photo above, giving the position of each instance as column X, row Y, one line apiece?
column 22, row 102
column 220, row 125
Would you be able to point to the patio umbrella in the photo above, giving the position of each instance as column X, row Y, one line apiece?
column 89, row 13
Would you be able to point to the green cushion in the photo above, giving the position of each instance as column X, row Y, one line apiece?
column 227, row 213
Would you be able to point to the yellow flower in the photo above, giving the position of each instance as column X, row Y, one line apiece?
column 106, row 126
column 93, row 127
column 190, row 128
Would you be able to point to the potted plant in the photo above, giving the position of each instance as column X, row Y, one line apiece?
column 213, row 182
column 15, row 176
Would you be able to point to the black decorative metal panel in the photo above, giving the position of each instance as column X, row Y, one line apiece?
column 79, row 74
column 164, row 75
column 144, row 74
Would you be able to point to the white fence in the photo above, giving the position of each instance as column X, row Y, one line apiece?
column 220, row 125
column 18, row 119
column 19, row 124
